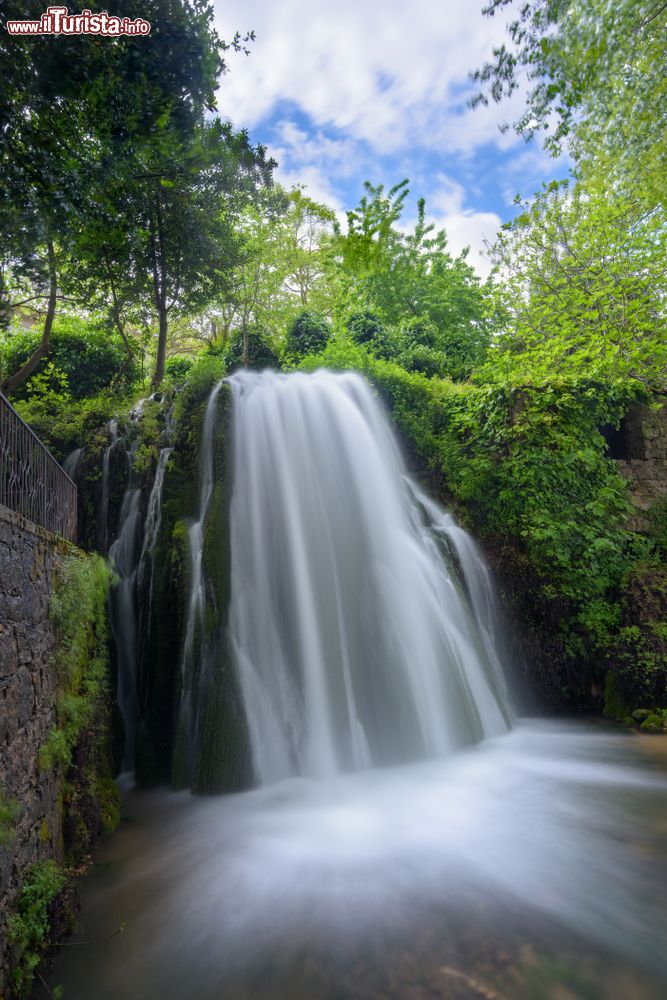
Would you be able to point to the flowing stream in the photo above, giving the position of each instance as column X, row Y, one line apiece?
column 407, row 837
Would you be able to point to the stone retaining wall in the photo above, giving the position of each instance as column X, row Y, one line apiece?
column 28, row 557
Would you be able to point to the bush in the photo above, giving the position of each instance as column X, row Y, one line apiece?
column 367, row 329
column 426, row 360
column 178, row 368
column 260, row 354
column 84, row 351
column 309, row 332
column 79, row 614
column 28, row 929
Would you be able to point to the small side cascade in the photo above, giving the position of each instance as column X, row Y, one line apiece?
column 193, row 654
column 103, row 522
column 131, row 555
column 152, row 525
column 124, row 555
column 71, row 463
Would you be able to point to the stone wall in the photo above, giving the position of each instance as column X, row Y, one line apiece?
column 644, row 460
column 28, row 557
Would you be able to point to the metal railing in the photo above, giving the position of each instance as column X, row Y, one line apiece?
column 31, row 481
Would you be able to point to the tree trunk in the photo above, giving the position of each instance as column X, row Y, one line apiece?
column 31, row 364
column 161, row 347
column 160, row 286
column 246, row 352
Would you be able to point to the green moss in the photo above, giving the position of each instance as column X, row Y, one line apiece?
column 79, row 615
column 657, row 519
column 10, row 811
column 654, row 723
column 108, row 797
column 614, row 706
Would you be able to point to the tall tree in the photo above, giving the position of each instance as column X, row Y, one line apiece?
column 596, row 81
column 71, row 108
column 410, row 280
column 583, row 290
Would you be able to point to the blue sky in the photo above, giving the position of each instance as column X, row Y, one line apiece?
column 348, row 90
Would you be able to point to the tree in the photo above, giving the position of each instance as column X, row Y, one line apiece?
column 72, row 111
column 597, row 84
column 583, row 290
column 411, row 278
column 180, row 197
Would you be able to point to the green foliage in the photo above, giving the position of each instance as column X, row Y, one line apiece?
column 657, row 524
column 64, row 424
column 424, row 359
column 308, row 334
column 596, row 83
column 205, row 372
column 410, row 283
column 118, row 186
column 88, row 355
column 638, row 650
column 10, row 811
column 178, row 368
column 365, row 328
column 29, row 927
column 79, row 614
column 583, row 290
column 528, row 466
column 150, row 437
column 260, row 353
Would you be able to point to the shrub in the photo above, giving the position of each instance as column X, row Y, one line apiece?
column 260, row 353
column 84, row 351
column 28, row 929
column 178, row 368
column 309, row 333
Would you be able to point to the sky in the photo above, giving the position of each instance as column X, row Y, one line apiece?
column 343, row 91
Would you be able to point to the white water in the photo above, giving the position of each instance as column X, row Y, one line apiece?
column 358, row 639
column 103, row 529
column 71, row 463
column 188, row 703
column 535, row 852
column 124, row 557
column 365, row 623
column 152, row 525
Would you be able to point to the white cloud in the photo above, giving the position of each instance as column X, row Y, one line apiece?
column 389, row 74
column 465, row 227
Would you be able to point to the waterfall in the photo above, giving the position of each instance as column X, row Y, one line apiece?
column 124, row 556
column 71, row 463
column 103, row 525
column 132, row 557
column 151, row 532
column 361, row 617
column 189, row 703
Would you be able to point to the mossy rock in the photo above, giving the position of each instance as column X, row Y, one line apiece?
column 654, row 724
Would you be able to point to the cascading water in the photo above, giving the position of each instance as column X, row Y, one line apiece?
column 124, row 556
column 71, row 463
column 358, row 640
column 132, row 557
column 103, row 522
column 365, row 632
column 152, row 526
column 189, row 702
